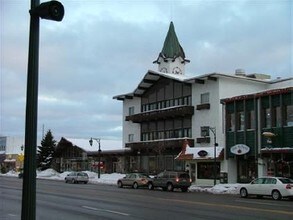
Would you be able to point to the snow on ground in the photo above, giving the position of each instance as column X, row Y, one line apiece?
column 112, row 178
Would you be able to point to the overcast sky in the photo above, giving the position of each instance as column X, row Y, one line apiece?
column 104, row 48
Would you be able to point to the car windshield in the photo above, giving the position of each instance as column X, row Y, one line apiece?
column 285, row 180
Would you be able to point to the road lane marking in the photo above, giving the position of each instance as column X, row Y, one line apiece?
column 106, row 210
column 231, row 206
column 261, row 203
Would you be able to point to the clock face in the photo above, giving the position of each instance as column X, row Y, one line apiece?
column 176, row 70
column 163, row 70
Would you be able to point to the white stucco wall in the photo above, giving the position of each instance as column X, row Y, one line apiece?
column 207, row 117
column 128, row 126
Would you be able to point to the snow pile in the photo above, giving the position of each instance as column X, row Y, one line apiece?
column 217, row 189
column 111, row 179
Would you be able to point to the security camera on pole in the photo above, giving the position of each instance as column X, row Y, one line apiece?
column 52, row 10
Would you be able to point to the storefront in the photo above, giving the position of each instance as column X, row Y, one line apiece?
column 204, row 164
column 278, row 161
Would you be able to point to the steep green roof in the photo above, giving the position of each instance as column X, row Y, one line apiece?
column 172, row 47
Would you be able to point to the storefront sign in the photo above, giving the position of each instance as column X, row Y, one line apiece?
column 202, row 153
column 240, row 149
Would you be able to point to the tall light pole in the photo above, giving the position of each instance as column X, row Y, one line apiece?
column 99, row 153
column 53, row 11
column 213, row 130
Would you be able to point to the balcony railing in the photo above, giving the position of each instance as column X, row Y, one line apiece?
column 159, row 114
column 160, row 144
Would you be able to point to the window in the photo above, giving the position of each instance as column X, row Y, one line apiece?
column 240, row 121
column 145, row 137
column 204, row 131
column 187, row 100
column 289, row 115
column 187, row 132
column 130, row 137
column 250, row 119
column 205, row 170
column 267, row 118
column 230, row 122
column 131, row 111
column 204, row 98
column 276, row 117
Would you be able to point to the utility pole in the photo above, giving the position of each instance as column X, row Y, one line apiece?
column 53, row 11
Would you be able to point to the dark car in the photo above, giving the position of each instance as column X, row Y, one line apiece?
column 135, row 180
column 169, row 180
column 77, row 177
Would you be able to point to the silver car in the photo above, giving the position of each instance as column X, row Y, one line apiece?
column 135, row 180
column 77, row 177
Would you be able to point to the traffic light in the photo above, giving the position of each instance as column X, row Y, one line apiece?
column 52, row 10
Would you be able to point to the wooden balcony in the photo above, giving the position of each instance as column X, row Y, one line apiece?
column 157, row 145
column 160, row 114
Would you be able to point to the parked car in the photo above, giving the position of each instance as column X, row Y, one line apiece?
column 77, row 177
column 135, row 180
column 169, row 180
column 276, row 187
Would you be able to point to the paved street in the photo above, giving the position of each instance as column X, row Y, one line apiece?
column 57, row 200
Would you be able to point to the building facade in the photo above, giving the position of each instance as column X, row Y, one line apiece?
column 168, row 109
column 11, row 153
column 261, row 123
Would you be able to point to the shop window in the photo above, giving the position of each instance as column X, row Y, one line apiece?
column 276, row 117
column 240, row 121
column 230, row 122
column 250, row 119
column 169, row 162
column 152, row 164
column 205, row 170
column 267, row 118
column 289, row 115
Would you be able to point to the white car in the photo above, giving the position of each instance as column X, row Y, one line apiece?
column 276, row 187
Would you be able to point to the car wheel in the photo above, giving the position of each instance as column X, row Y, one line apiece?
column 184, row 189
column 170, row 187
column 135, row 185
column 120, row 185
column 243, row 193
column 72, row 181
column 85, row 182
column 276, row 195
column 150, row 186
column 66, row 181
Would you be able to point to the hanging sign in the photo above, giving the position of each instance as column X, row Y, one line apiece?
column 240, row 149
column 202, row 153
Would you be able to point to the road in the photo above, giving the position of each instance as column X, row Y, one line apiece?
column 57, row 200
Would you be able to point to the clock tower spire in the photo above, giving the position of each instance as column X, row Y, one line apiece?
column 172, row 57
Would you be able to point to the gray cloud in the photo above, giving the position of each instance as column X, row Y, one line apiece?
column 102, row 49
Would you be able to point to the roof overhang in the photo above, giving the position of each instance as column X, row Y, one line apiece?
column 150, row 78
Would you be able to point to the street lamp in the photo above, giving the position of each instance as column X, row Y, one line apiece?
column 99, row 153
column 213, row 130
